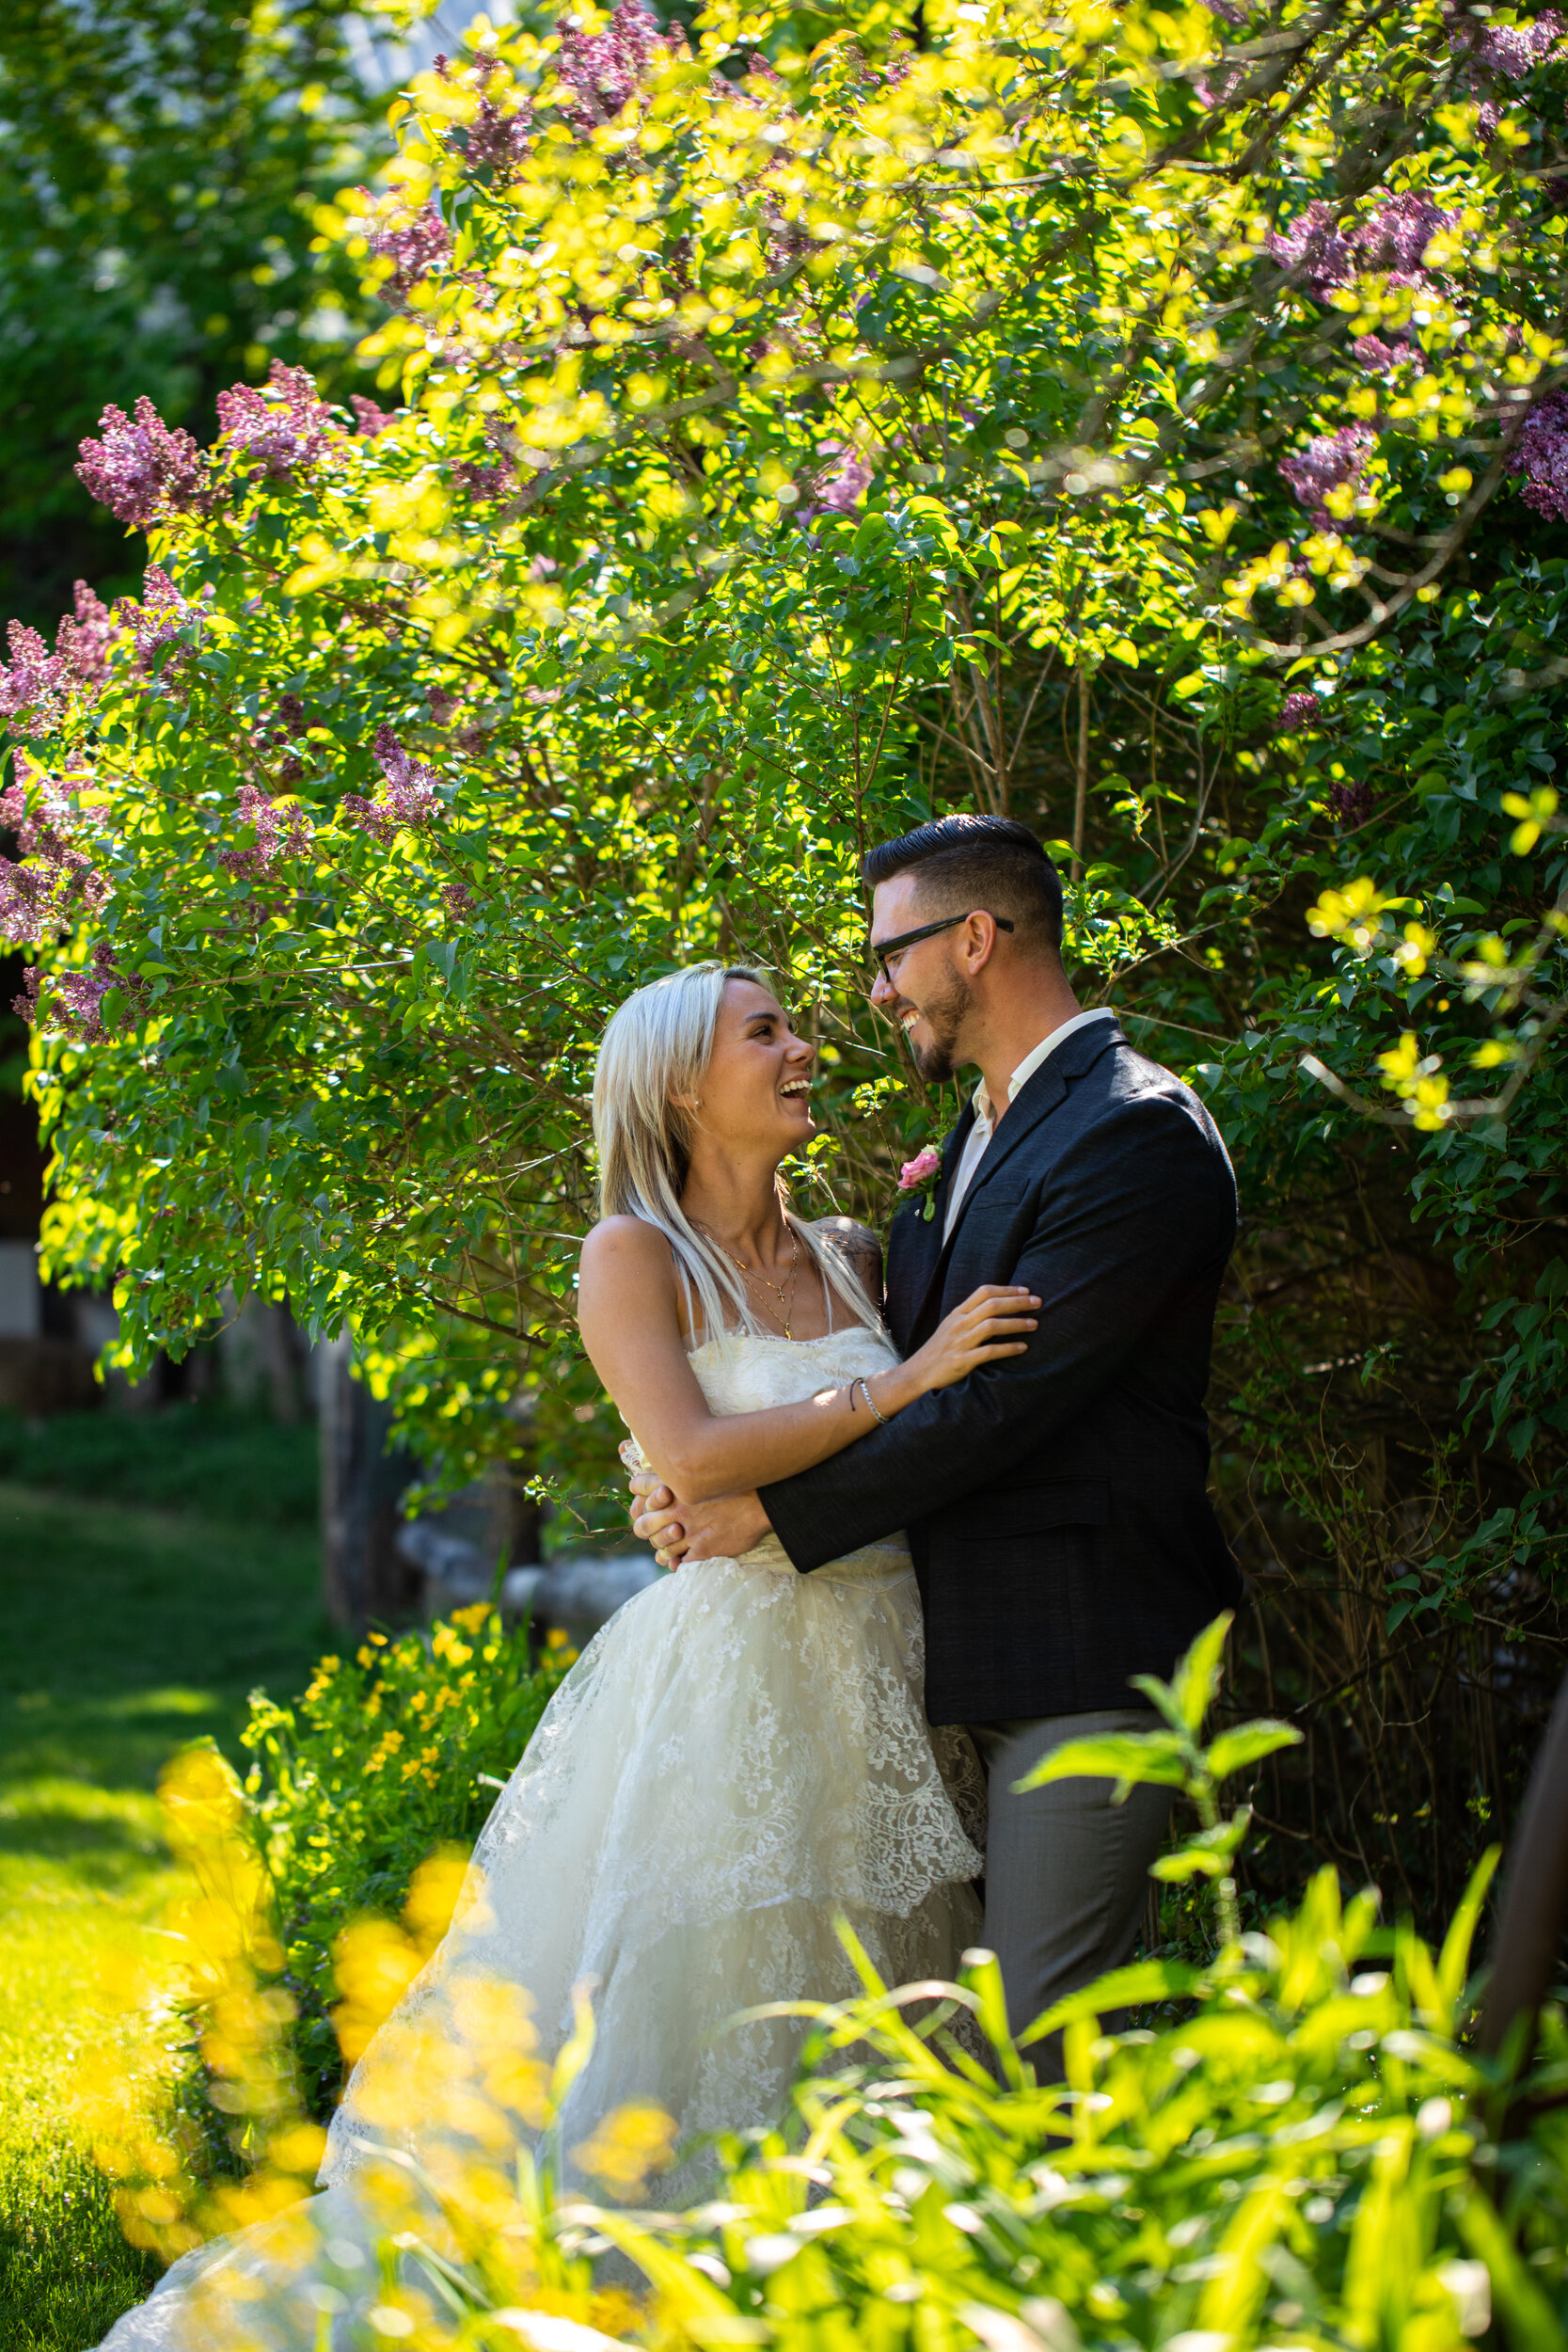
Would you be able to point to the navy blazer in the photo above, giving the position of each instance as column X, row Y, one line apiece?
column 1056, row 1502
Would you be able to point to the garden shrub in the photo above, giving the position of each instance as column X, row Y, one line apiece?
column 390, row 1755
column 1299, row 2151
column 1302, row 2159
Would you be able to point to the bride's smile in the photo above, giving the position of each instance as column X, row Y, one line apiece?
column 756, row 1091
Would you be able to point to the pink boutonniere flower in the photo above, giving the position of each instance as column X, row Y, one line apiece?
column 922, row 1171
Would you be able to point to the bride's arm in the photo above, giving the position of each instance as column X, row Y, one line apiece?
column 630, row 1323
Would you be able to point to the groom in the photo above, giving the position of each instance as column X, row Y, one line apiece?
column 1055, row 1502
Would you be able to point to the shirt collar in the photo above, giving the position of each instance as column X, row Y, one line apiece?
column 983, row 1115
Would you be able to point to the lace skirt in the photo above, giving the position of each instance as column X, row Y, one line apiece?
column 739, row 1758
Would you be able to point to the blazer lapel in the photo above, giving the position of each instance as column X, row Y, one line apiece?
column 1043, row 1093
column 914, row 1244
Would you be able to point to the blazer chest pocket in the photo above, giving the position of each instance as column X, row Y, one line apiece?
column 1001, row 1195
column 1024, row 1510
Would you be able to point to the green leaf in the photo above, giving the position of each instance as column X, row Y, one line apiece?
column 1128, row 1757
column 1196, row 1676
column 982, row 1975
column 1532, row 2325
column 1121, row 1988
column 576, row 2050
column 1453, row 1960
column 1233, row 1750
column 1187, row 1861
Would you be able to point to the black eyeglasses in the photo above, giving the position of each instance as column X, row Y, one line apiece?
column 928, row 930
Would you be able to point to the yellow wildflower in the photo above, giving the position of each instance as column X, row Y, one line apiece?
column 631, row 2142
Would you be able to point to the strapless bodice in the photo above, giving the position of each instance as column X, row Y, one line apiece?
column 745, row 1372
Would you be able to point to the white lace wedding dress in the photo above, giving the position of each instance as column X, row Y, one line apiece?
column 739, row 1758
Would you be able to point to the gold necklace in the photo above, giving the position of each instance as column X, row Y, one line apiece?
column 786, row 1303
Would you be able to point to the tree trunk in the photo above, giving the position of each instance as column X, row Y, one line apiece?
column 363, row 1581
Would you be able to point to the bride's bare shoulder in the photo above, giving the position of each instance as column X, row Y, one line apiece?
column 860, row 1248
column 619, row 1248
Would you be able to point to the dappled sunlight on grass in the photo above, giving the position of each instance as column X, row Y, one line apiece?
column 122, row 1635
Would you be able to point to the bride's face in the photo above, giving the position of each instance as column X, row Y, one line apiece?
column 756, row 1088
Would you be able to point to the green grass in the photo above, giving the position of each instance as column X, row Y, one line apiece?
column 123, row 1632
column 202, row 1458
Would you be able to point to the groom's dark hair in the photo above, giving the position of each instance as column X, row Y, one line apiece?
column 989, row 862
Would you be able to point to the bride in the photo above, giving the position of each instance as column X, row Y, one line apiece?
column 740, row 1756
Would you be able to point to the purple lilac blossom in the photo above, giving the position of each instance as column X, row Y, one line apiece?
column 407, row 797
column 415, row 244
column 497, row 141
column 1351, row 803
column 1540, row 456
column 279, row 832
column 34, row 689
column 1297, row 711
column 57, row 882
column 25, row 1006
column 488, row 482
column 1323, row 465
column 1513, row 50
column 1396, row 236
column 839, row 488
column 26, row 908
column 604, row 68
column 83, row 639
column 1376, row 356
column 284, row 429
column 498, row 138
column 370, row 420
column 52, row 809
column 142, row 468
column 1315, row 249
column 1326, row 255
column 83, row 994
column 161, row 617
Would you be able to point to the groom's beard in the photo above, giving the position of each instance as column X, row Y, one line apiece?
column 943, row 1014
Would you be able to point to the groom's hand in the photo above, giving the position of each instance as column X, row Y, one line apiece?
column 719, row 1530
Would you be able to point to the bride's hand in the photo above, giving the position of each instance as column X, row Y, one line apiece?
column 650, row 1503
column 989, row 1324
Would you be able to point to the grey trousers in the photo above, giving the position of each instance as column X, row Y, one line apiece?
column 1067, row 1871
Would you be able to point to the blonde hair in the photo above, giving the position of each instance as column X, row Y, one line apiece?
column 651, row 1061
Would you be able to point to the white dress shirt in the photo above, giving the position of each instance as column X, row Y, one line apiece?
column 984, row 1128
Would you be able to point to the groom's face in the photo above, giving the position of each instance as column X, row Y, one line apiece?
column 924, row 990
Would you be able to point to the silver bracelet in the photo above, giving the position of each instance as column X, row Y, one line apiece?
column 860, row 1382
